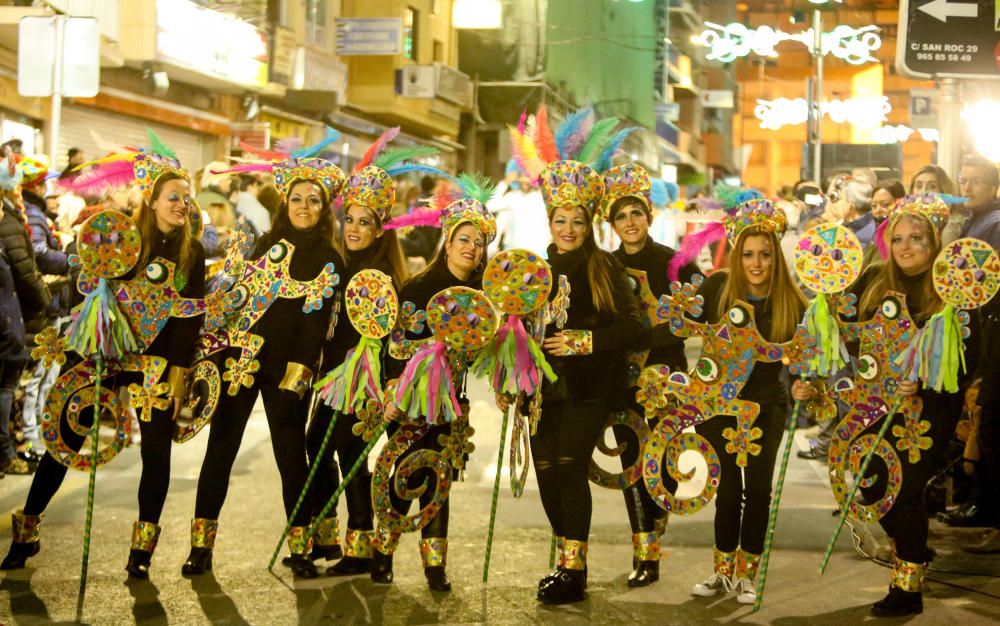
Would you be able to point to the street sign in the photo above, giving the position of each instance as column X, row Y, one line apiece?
column 717, row 98
column 369, row 36
column 80, row 66
column 667, row 111
column 923, row 108
column 949, row 39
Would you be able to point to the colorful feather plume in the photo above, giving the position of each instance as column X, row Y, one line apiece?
column 287, row 145
column 611, row 148
column 391, row 158
column 597, row 139
column 316, row 149
column 545, row 140
column 245, row 167
column 477, row 186
column 419, row 217
column 524, row 153
column 157, row 147
column 880, row 243
column 376, row 148
column 414, row 167
column 270, row 155
column 691, row 246
column 571, row 135
column 98, row 179
column 731, row 197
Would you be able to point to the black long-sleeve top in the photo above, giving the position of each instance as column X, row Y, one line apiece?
column 179, row 337
column 600, row 375
column 290, row 335
column 664, row 347
column 419, row 290
column 345, row 336
column 765, row 384
column 989, row 355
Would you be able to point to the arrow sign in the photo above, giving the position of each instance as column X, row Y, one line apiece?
column 941, row 10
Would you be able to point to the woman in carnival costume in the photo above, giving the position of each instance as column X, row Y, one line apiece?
column 588, row 356
column 368, row 198
column 272, row 332
column 627, row 207
column 438, row 441
column 735, row 391
column 929, row 408
column 167, row 280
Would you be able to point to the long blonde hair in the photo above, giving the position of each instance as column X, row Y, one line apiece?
column 787, row 302
column 925, row 301
column 145, row 220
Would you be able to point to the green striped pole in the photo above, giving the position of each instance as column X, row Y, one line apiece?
column 89, row 520
column 496, row 494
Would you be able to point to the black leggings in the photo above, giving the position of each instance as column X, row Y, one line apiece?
column 348, row 448
column 157, row 439
column 742, row 502
column 562, row 447
column 286, row 419
column 642, row 510
column 906, row 522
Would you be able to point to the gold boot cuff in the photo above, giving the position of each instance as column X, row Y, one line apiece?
column 145, row 536
column 725, row 562
column 297, row 543
column 434, row 552
column 327, row 532
column 386, row 541
column 908, row 576
column 646, row 546
column 203, row 532
column 176, row 381
column 25, row 527
column 358, row 544
column 297, row 378
column 746, row 564
column 574, row 554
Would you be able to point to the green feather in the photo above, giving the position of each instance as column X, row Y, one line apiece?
column 156, row 146
column 476, row 186
column 388, row 158
column 597, row 139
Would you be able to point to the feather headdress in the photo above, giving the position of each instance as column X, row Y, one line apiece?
column 450, row 208
column 143, row 166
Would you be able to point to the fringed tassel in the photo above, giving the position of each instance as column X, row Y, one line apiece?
column 348, row 386
column 936, row 352
column 99, row 327
column 824, row 327
column 514, row 362
column 426, row 386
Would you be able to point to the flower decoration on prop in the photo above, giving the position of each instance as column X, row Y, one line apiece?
column 518, row 283
column 966, row 275
column 462, row 320
column 372, row 307
column 827, row 261
column 371, row 183
column 744, row 208
column 567, row 161
column 934, row 207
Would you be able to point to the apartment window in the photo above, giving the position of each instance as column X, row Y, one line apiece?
column 438, row 51
column 411, row 33
column 277, row 12
column 316, row 13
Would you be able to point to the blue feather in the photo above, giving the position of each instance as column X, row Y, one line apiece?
column 658, row 193
column 570, row 128
column 951, row 200
column 604, row 161
column 417, row 167
column 315, row 149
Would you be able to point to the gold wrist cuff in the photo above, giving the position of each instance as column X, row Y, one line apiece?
column 297, row 378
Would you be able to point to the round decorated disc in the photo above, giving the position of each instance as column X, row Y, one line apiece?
column 371, row 302
column 462, row 317
column 195, row 219
column 108, row 244
column 517, row 282
column 828, row 258
column 967, row 273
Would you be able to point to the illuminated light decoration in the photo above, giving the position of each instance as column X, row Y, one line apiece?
column 861, row 112
column 477, row 14
column 981, row 118
column 901, row 133
column 730, row 42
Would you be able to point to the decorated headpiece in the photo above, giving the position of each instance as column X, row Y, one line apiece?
column 626, row 181
column 451, row 209
column 11, row 175
column 567, row 162
column 35, row 170
column 744, row 208
column 143, row 166
column 371, row 184
column 935, row 208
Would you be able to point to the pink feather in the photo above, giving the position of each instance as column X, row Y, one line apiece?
column 691, row 246
column 420, row 217
column 99, row 179
column 246, row 167
column 522, row 123
column 376, row 147
column 880, row 244
column 270, row 155
column 545, row 140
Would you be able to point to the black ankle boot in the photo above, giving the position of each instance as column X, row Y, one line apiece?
column 327, row 553
column 437, row 579
column 198, row 562
column 382, row 568
column 646, row 573
column 899, row 603
column 350, row 566
column 138, row 564
column 19, row 553
column 567, row 587
column 302, row 566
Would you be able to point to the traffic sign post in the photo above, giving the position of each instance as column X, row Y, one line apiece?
column 949, row 39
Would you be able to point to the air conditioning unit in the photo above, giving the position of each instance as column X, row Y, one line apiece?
column 435, row 81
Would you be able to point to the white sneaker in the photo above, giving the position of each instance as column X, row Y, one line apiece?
column 746, row 591
column 713, row 586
